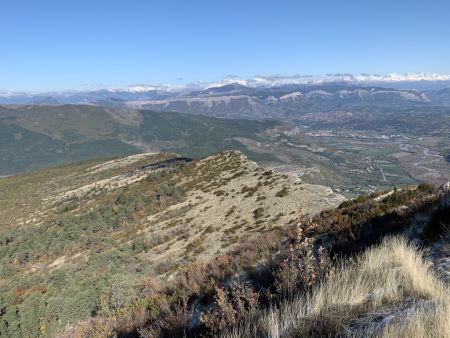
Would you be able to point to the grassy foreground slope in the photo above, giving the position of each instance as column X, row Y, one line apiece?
column 296, row 281
column 389, row 291
column 91, row 239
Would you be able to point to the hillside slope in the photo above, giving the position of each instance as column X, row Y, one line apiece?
column 338, row 273
column 85, row 239
column 37, row 136
column 350, row 161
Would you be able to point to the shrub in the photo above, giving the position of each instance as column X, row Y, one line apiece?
column 237, row 303
column 164, row 266
column 230, row 211
column 219, row 192
column 250, row 191
column 140, row 244
column 303, row 266
column 152, row 177
column 169, row 190
column 258, row 213
column 122, row 291
column 283, row 192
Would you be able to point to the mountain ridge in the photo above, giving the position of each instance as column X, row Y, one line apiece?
column 88, row 230
column 240, row 101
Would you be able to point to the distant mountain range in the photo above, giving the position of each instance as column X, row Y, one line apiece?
column 286, row 101
column 264, row 97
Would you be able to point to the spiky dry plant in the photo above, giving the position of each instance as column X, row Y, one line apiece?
column 389, row 291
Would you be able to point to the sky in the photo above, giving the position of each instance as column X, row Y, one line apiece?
column 77, row 44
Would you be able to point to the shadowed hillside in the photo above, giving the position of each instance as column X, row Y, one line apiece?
column 36, row 136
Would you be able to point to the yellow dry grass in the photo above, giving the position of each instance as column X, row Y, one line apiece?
column 389, row 291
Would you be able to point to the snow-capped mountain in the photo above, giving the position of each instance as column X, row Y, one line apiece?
column 263, row 96
column 281, row 101
column 408, row 79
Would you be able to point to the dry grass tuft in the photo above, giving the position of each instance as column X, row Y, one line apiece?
column 388, row 291
column 424, row 321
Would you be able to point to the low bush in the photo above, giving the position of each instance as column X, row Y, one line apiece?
column 231, row 305
column 282, row 193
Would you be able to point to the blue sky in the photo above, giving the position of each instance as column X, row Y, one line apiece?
column 68, row 44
